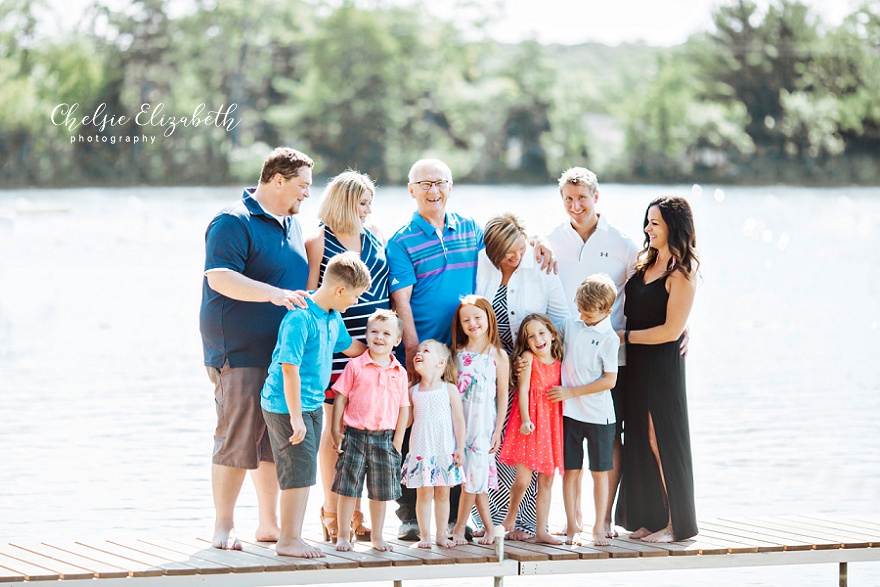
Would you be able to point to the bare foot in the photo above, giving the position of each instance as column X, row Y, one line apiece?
column 379, row 544
column 519, row 535
column 571, row 535
column 225, row 539
column 599, row 538
column 546, row 538
column 267, row 534
column 444, row 542
column 610, row 532
column 343, row 545
column 425, row 543
column 488, row 537
column 639, row 534
column 479, row 532
column 297, row 548
column 664, row 535
column 458, row 538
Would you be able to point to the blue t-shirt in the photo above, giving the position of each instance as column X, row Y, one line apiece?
column 245, row 239
column 307, row 338
column 441, row 270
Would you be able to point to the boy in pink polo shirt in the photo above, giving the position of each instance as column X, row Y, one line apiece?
column 373, row 403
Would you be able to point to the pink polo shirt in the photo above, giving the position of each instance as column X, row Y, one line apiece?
column 375, row 393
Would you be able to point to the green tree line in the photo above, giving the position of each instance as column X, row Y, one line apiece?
column 773, row 95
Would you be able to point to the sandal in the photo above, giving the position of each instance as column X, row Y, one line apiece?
column 329, row 525
column 359, row 531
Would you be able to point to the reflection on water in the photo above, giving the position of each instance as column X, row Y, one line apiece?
column 107, row 412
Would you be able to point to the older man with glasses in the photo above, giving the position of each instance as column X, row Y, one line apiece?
column 433, row 263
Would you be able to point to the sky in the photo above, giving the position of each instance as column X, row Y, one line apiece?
column 655, row 22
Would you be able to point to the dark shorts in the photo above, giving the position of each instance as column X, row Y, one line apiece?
column 370, row 455
column 240, row 438
column 296, row 464
column 618, row 393
column 600, row 444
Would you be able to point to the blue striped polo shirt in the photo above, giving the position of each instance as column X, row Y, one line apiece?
column 441, row 270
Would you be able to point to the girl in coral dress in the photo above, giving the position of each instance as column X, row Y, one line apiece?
column 533, row 439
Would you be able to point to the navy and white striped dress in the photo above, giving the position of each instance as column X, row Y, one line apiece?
column 373, row 255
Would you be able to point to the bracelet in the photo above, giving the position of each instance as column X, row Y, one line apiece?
column 626, row 336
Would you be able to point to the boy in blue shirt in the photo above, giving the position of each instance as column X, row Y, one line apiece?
column 293, row 394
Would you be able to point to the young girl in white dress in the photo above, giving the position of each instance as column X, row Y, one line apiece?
column 482, row 381
column 436, row 449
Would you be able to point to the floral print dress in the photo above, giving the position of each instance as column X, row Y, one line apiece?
column 478, row 387
column 432, row 442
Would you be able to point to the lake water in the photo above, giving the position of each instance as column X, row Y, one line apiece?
column 107, row 414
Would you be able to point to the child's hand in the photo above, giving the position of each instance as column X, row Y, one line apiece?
column 337, row 441
column 519, row 365
column 559, row 394
column 398, row 446
column 458, row 457
column 496, row 443
column 299, row 429
column 526, row 428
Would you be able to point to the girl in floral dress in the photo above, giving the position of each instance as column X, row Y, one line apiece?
column 436, row 447
column 482, row 381
column 533, row 439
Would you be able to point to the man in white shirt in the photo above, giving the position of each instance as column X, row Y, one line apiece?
column 584, row 245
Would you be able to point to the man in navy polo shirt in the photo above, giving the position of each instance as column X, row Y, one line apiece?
column 255, row 260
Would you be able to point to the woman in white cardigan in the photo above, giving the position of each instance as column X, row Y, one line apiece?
column 509, row 276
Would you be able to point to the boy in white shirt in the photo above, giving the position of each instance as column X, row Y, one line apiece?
column 589, row 371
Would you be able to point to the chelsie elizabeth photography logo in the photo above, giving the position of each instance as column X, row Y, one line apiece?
column 149, row 117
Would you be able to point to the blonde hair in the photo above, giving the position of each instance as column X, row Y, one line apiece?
column 385, row 315
column 339, row 202
column 450, row 372
column 500, row 234
column 579, row 176
column 596, row 294
column 348, row 270
column 459, row 338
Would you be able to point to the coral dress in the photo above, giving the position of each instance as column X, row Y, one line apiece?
column 541, row 450
column 477, row 383
column 432, row 443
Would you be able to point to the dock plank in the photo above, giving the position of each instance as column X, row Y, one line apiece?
column 428, row 556
column 548, row 550
column 202, row 566
column 19, row 571
column 135, row 569
column 362, row 559
column 457, row 554
column 870, row 525
column 60, row 569
column 735, row 544
column 169, row 567
column 787, row 541
column 237, row 560
column 397, row 558
column 872, row 538
column 785, row 533
column 846, row 539
column 10, row 576
column 98, row 569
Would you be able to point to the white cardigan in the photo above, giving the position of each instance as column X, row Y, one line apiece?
column 529, row 290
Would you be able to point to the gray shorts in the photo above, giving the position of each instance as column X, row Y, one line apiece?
column 370, row 455
column 240, row 438
column 295, row 464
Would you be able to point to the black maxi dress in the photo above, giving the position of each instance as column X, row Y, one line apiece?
column 656, row 385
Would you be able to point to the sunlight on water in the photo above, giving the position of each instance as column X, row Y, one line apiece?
column 108, row 415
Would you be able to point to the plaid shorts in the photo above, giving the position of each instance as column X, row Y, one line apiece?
column 370, row 455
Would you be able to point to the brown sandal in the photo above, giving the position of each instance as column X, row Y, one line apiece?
column 329, row 525
column 359, row 531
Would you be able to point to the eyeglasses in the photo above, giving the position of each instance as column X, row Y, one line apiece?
column 441, row 184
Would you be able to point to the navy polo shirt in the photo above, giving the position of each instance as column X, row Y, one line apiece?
column 245, row 239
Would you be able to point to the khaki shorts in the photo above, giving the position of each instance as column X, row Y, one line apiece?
column 240, row 439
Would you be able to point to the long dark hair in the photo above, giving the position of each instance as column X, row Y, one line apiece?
column 681, row 238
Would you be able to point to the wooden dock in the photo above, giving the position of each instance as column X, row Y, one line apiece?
column 721, row 543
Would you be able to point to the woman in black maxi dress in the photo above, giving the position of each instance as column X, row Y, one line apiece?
column 657, row 488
